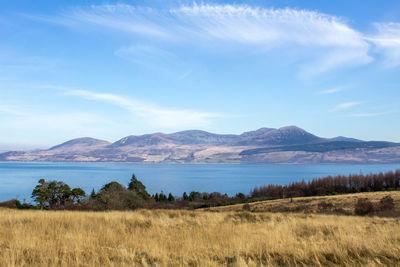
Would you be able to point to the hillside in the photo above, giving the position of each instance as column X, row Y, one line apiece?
column 266, row 145
column 337, row 204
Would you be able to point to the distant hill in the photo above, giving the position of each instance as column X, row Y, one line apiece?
column 324, row 147
column 342, row 138
column 289, row 144
column 284, row 136
column 76, row 144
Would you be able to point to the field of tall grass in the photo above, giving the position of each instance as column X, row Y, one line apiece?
column 195, row 238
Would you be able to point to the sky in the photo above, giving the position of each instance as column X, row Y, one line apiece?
column 107, row 70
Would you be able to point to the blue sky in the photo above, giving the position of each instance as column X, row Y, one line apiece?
column 110, row 69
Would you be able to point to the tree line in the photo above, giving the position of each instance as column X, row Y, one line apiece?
column 329, row 185
column 114, row 196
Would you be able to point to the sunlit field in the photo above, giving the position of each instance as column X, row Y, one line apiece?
column 195, row 238
column 335, row 204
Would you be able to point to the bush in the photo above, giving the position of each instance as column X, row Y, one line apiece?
column 386, row 203
column 114, row 196
column 325, row 206
column 246, row 207
column 11, row 204
column 363, row 206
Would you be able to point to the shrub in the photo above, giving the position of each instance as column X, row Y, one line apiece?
column 324, row 206
column 363, row 206
column 114, row 196
column 11, row 204
column 386, row 203
column 246, row 207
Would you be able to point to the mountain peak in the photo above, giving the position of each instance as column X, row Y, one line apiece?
column 79, row 142
column 291, row 128
column 288, row 135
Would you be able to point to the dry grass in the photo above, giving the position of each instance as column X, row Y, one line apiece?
column 195, row 238
column 340, row 204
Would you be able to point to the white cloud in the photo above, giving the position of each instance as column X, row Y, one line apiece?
column 155, row 115
column 120, row 17
column 268, row 26
column 387, row 41
column 345, row 105
column 326, row 41
column 332, row 90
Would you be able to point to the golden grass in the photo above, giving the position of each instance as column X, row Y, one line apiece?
column 342, row 203
column 195, row 238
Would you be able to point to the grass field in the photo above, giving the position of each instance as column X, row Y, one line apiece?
column 338, row 204
column 195, row 238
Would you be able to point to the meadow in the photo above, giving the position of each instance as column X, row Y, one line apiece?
column 208, row 237
column 334, row 204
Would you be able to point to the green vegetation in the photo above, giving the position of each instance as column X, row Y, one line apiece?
column 55, row 194
column 114, row 196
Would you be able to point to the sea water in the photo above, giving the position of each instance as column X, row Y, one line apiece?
column 17, row 179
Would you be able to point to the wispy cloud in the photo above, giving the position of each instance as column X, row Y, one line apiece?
column 329, row 42
column 121, row 17
column 387, row 41
column 331, row 91
column 345, row 105
column 155, row 115
column 143, row 54
column 40, row 123
column 184, row 75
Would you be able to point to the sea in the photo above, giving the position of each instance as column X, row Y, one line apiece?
column 17, row 179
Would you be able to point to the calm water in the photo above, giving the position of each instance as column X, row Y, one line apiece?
column 18, row 179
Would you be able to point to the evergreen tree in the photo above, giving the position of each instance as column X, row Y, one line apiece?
column 162, row 197
column 171, row 197
column 137, row 186
column 185, row 196
column 93, row 194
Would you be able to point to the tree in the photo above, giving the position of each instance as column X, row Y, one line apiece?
column 41, row 194
column 240, row 196
column 162, row 197
column 138, row 187
column 194, row 195
column 93, row 194
column 171, row 197
column 114, row 196
column 64, row 193
column 78, row 194
column 50, row 194
column 185, row 196
column 60, row 193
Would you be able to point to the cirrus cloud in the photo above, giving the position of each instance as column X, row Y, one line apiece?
column 387, row 41
column 326, row 42
column 153, row 114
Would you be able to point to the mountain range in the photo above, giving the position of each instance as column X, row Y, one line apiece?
column 289, row 144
